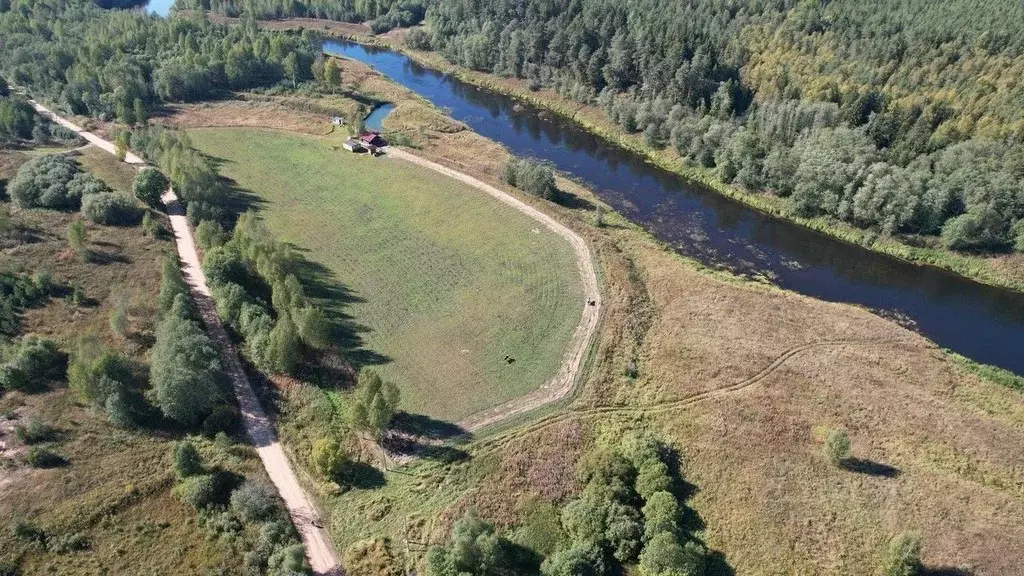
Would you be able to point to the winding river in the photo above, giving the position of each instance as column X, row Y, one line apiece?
column 978, row 321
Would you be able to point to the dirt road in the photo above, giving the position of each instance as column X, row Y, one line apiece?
column 319, row 551
column 562, row 382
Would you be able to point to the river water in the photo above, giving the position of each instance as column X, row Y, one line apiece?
column 978, row 321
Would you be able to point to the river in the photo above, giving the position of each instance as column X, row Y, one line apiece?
column 981, row 322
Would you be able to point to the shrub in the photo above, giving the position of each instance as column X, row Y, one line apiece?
column 904, row 556
column 531, row 176
column 222, row 265
column 42, row 182
column 77, row 238
column 187, row 461
column 254, row 502
column 27, row 532
column 67, row 543
column 197, row 491
column 111, row 208
column 661, row 515
column 223, row 419
column 837, row 446
column 14, row 378
column 287, row 561
column 185, row 370
column 35, row 431
column 121, row 411
column 329, row 458
column 96, row 373
column 210, row 234
column 581, row 559
column 665, row 556
column 44, row 457
column 229, row 298
column 476, row 549
column 85, row 184
column 149, row 185
column 198, row 211
column 375, row 404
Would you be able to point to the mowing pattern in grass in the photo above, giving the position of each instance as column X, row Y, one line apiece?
column 447, row 281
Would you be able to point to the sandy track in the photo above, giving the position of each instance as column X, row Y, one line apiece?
column 565, row 378
column 319, row 551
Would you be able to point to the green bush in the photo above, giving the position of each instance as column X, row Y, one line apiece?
column 97, row 372
column 665, row 556
column 531, row 176
column 187, row 461
column 35, row 432
column 223, row 419
column 904, row 556
column 42, row 182
column 581, row 559
column 111, row 208
column 149, row 185
column 44, row 457
column 475, row 549
column 210, row 234
column 837, row 446
column 329, row 459
column 661, row 515
column 198, row 211
column 254, row 502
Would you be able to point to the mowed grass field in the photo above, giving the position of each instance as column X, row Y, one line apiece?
column 444, row 281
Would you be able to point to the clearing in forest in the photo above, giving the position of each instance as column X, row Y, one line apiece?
column 440, row 283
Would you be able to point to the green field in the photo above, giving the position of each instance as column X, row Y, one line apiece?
column 444, row 280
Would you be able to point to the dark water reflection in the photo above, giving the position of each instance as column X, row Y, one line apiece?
column 978, row 321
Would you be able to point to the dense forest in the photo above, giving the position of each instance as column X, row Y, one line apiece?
column 121, row 65
column 898, row 116
column 381, row 15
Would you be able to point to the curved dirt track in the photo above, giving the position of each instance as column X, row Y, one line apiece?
column 496, row 442
column 565, row 378
column 319, row 551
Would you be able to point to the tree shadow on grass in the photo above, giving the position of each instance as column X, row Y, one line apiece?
column 944, row 571
column 870, row 467
column 332, row 296
column 425, row 437
column 690, row 520
column 364, row 476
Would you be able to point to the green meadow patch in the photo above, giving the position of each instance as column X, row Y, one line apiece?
column 438, row 283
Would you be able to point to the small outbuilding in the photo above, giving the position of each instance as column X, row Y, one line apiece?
column 337, row 120
column 353, row 145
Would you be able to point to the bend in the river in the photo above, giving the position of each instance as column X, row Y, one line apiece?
column 982, row 322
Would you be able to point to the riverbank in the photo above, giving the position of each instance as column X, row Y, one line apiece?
column 1001, row 271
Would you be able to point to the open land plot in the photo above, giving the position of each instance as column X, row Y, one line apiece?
column 444, row 281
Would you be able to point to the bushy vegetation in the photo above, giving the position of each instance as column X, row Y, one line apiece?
column 904, row 556
column 17, row 292
column 382, row 15
column 120, row 65
column 185, row 372
column 149, row 185
column 31, row 364
column 837, row 446
column 848, row 109
column 628, row 514
column 246, row 514
column 244, row 274
column 531, row 176
column 56, row 182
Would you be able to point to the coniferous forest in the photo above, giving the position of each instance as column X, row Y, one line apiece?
column 899, row 116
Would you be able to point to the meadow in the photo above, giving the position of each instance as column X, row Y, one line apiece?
column 433, row 283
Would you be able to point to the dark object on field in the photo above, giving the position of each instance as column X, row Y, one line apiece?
column 509, row 359
column 591, row 302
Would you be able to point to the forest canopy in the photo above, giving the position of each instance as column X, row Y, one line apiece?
column 120, row 65
column 903, row 117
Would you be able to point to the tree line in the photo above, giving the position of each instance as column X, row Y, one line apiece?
column 380, row 15
column 915, row 131
column 118, row 65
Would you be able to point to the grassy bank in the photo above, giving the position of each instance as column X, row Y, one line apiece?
column 441, row 282
column 978, row 268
